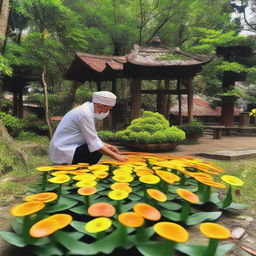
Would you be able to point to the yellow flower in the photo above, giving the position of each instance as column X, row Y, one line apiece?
column 44, row 168
column 98, row 225
column 125, row 177
column 84, row 176
column 57, row 173
column 118, row 194
column 100, row 174
column 121, row 186
column 232, row 180
column 86, row 183
column 99, row 167
column 167, row 176
column 60, row 179
column 149, row 179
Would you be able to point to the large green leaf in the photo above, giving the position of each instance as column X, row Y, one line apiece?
column 134, row 197
column 237, row 206
column 202, row 216
column 127, row 207
column 170, row 206
column 114, row 240
column 16, row 224
column 72, row 244
column 63, row 204
column 171, row 215
column 214, row 197
column 81, row 209
column 156, row 248
column 198, row 250
column 13, row 238
column 49, row 250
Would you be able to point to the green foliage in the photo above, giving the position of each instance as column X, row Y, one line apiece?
column 7, row 161
column 5, row 105
column 194, row 128
column 235, row 67
column 151, row 128
column 5, row 67
column 107, row 136
column 13, row 124
column 35, row 125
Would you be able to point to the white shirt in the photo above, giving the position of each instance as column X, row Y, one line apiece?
column 76, row 128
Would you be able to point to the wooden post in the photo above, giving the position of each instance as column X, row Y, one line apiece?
column 15, row 100
column 135, row 97
column 167, row 99
column 190, row 99
column 98, row 84
column 179, row 101
column 20, row 101
column 113, row 116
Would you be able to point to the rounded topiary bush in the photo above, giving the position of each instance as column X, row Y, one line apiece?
column 151, row 128
column 192, row 130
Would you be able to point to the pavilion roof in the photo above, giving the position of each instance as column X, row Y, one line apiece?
column 151, row 62
column 163, row 56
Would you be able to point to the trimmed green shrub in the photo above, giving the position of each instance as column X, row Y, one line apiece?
column 13, row 124
column 151, row 128
column 107, row 135
column 193, row 129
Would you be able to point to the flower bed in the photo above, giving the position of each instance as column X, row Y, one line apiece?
column 143, row 205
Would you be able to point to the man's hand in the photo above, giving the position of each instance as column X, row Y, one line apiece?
column 121, row 158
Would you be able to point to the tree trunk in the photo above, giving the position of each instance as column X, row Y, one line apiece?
column 4, row 15
column 46, row 105
column 10, row 149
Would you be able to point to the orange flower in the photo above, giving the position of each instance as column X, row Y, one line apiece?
column 188, row 195
column 202, row 175
column 214, row 231
column 157, row 195
column 27, row 208
column 211, row 183
column 101, row 209
column 131, row 219
column 171, row 231
column 147, row 211
column 44, row 197
column 49, row 225
column 87, row 191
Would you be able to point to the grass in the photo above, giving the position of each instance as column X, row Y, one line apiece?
column 246, row 171
column 13, row 185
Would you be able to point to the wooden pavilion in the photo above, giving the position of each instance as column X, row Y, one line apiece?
column 152, row 62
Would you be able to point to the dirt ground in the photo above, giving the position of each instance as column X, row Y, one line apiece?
column 244, row 219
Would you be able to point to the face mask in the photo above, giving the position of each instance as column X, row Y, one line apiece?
column 100, row 116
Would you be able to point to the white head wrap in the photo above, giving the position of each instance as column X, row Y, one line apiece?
column 104, row 97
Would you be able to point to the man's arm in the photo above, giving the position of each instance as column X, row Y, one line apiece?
column 107, row 150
